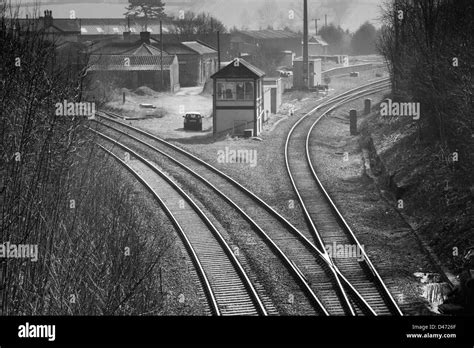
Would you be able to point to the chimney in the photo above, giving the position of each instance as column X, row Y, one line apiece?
column 126, row 35
column 145, row 37
column 48, row 18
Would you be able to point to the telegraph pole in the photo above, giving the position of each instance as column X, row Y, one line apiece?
column 305, row 46
column 161, row 55
column 218, row 51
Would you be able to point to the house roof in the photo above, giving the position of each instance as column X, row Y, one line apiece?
column 137, row 63
column 187, row 47
column 129, row 48
column 111, row 56
column 144, row 50
column 100, row 26
column 199, row 47
column 244, row 69
column 173, row 47
column 62, row 25
column 116, row 26
column 269, row 34
column 317, row 40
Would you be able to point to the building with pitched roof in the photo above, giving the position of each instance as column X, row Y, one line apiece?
column 97, row 28
column 134, row 64
column 59, row 29
column 250, row 41
column 197, row 61
column 238, row 99
column 316, row 46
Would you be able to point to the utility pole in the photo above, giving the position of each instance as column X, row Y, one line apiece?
column 325, row 20
column 316, row 24
column 218, row 51
column 161, row 55
column 305, row 46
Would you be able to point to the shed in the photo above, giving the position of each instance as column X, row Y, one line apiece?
column 276, row 92
column 135, row 64
column 238, row 99
column 251, row 41
column 197, row 61
column 316, row 46
column 314, row 73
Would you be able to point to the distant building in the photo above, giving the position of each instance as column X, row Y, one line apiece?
column 288, row 58
column 250, row 41
column 59, row 29
column 197, row 61
column 316, row 46
column 314, row 73
column 238, row 101
column 98, row 28
column 134, row 64
column 209, row 39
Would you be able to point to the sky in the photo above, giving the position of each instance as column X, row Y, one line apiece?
column 250, row 14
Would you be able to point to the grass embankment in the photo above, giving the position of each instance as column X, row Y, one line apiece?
column 436, row 190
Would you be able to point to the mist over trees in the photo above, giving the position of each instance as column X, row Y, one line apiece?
column 337, row 39
column 201, row 23
column 260, row 14
column 364, row 40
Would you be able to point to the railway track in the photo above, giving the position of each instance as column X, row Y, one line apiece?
column 305, row 263
column 228, row 289
column 315, row 279
column 326, row 223
column 324, row 285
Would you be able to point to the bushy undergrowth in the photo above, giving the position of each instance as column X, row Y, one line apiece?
column 96, row 253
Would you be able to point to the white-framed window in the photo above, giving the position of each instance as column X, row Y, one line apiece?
column 115, row 30
column 239, row 90
column 132, row 30
column 100, row 30
column 226, row 90
column 83, row 30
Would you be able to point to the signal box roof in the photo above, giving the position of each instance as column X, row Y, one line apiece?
column 243, row 69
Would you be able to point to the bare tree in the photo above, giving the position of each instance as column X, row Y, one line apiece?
column 56, row 194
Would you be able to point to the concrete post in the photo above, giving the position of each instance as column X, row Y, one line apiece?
column 367, row 106
column 353, row 121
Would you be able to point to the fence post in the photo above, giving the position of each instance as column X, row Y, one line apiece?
column 353, row 121
column 367, row 106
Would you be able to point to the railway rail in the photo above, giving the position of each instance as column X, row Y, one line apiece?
column 276, row 237
column 228, row 288
column 324, row 284
column 325, row 221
